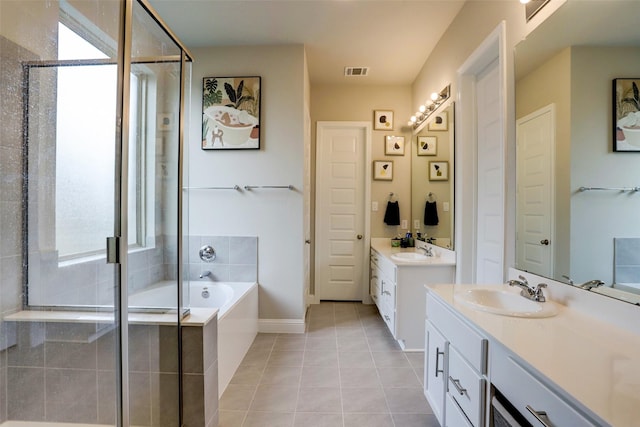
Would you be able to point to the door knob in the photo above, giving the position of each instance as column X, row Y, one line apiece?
column 359, row 236
column 544, row 242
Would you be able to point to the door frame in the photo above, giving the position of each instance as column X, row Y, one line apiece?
column 366, row 127
column 466, row 156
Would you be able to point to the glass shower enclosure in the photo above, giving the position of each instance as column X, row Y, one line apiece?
column 92, row 104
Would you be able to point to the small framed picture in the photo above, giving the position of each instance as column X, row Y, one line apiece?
column 165, row 121
column 394, row 145
column 383, row 120
column 438, row 171
column 439, row 122
column 383, row 170
column 427, row 145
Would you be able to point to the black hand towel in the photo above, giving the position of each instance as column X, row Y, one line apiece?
column 392, row 214
column 430, row 213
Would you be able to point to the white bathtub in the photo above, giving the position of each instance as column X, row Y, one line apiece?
column 237, row 304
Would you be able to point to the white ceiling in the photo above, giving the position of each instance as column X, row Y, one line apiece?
column 392, row 37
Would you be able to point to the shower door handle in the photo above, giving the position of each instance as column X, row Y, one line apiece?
column 113, row 250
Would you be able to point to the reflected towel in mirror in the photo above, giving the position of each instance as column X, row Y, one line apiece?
column 430, row 213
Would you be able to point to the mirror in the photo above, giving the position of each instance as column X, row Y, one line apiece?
column 577, row 213
column 432, row 178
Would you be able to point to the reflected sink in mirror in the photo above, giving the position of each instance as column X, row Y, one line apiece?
column 409, row 257
column 505, row 303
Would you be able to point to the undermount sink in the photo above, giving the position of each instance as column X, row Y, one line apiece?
column 409, row 257
column 500, row 301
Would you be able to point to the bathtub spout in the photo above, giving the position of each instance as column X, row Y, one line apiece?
column 205, row 274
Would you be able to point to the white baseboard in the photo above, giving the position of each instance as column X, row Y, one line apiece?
column 281, row 326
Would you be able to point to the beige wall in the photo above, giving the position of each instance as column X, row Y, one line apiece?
column 551, row 84
column 357, row 103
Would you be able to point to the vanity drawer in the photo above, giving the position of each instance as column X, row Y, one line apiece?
column 528, row 394
column 455, row 416
column 466, row 387
column 460, row 335
column 385, row 265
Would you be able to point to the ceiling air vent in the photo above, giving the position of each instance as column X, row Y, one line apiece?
column 356, row 71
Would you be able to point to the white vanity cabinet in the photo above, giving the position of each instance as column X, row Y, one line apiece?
column 398, row 291
column 456, row 355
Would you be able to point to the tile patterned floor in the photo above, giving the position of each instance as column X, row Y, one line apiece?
column 345, row 371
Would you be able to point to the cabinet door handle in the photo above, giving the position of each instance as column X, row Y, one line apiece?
column 458, row 386
column 438, row 354
column 540, row 416
column 387, row 317
column 386, row 293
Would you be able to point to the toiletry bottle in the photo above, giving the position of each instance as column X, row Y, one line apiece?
column 410, row 242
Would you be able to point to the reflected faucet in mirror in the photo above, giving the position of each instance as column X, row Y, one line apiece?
column 591, row 284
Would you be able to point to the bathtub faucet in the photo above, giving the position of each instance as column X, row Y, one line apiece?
column 205, row 274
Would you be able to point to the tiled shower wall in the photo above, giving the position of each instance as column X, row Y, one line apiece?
column 236, row 258
column 65, row 372
column 11, row 56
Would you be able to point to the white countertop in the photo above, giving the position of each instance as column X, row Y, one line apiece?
column 444, row 257
column 596, row 363
column 196, row 317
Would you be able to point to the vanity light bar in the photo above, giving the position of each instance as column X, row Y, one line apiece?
column 437, row 98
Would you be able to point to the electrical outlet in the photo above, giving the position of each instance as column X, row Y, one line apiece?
column 403, row 224
column 416, row 224
column 374, row 206
column 445, row 206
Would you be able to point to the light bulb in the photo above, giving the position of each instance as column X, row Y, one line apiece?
column 434, row 96
column 413, row 119
column 422, row 108
column 524, row 1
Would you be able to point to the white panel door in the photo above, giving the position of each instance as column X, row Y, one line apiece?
column 535, row 135
column 490, row 201
column 340, row 211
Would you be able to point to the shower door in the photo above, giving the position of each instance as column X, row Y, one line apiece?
column 90, row 159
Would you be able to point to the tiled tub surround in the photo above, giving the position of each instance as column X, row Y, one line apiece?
column 627, row 263
column 237, row 317
column 236, row 258
column 63, row 371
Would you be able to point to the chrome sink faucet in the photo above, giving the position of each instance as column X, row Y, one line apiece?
column 428, row 251
column 534, row 294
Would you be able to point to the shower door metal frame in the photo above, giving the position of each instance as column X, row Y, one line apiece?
column 117, row 245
